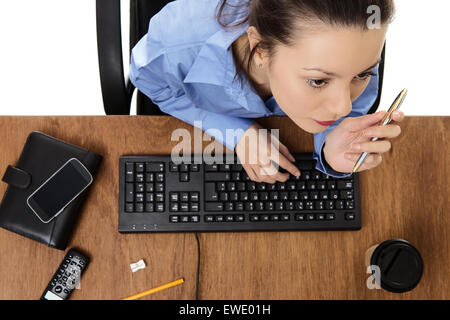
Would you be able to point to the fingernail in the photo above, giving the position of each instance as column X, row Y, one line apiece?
column 297, row 173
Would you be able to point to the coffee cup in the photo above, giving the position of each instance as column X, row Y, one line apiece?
column 396, row 265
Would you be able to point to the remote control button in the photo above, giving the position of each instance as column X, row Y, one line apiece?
column 58, row 289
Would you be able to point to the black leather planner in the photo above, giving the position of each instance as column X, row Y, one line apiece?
column 41, row 156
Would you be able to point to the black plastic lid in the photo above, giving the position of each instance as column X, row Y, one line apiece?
column 400, row 263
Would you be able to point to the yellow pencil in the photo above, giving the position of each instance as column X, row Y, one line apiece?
column 162, row 287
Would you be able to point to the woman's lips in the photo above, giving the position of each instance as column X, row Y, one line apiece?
column 325, row 123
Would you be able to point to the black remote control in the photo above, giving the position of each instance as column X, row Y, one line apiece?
column 67, row 277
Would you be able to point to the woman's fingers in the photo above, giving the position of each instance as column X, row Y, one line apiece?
column 285, row 151
column 371, row 161
column 387, row 131
column 267, row 172
column 371, row 146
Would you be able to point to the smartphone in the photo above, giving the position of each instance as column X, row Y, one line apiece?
column 59, row 190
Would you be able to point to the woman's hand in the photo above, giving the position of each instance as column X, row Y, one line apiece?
column 341, row 145
column 258, row 163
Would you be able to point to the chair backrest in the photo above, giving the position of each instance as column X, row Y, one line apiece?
column 141, row 12
column 116, row 93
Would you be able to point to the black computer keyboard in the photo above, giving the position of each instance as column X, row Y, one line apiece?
column 157, row 195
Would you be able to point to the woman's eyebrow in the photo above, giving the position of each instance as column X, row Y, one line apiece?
column 332, row 74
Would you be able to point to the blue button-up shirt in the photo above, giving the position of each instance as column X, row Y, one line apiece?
column 184, row 64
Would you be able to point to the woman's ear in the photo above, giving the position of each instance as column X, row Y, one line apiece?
column 253, row 39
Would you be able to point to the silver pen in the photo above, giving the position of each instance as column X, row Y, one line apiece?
column 387, row 119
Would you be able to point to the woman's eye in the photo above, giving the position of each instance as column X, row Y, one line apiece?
column 364, row 76
column 317, row 84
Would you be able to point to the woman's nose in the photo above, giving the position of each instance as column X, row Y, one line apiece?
column 343, row 105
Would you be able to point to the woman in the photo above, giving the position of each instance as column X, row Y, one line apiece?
column 224, row 62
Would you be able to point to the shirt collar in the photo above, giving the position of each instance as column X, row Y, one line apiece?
column 214, row 63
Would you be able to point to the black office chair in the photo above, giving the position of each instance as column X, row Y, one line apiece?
column 116, row 93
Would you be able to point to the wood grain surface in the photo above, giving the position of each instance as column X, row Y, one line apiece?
column 406, row 197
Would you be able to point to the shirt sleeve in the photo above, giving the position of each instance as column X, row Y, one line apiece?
column 162, row 85
column 360, row 107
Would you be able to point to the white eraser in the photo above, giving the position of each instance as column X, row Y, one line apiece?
column 137, row 266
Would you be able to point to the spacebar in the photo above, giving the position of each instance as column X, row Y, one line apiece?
column 213, row 206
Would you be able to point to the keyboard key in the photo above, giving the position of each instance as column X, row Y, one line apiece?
column 129, row 207
column 274, row 217
column 344, row 184
column 139, row 167
column 254, row 217
column 173, row 196
column 220, row 186
column 209, row 218
column 173, row 167
column 350, row 216
column 211, row 167
column 159, row 207
column 155, row 166
column 219, row 218
column 269, row 206
column 194, row 207
column 194, row 196
column 239, row 218
column 139, row 187
column 310, row 217
column 265, row 217
column 349, row 204
column 184, row 206
column 184, row 196
column 139, row 177
column 229, row 218
column 129, row 172
column 249, row 206
column 184, row 177
column 285, row 217
column 330, row 216
column 129, row 192
column 184, row 218
column 210, row 193
column 139, row 207
column 149, row 207
column 139, row 197
column 173, row 219
column 347, row 194
column 195, row 218
column 173, row 207
column 217, row 176
column 213, row 206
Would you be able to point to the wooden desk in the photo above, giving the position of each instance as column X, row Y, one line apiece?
column 407, row 197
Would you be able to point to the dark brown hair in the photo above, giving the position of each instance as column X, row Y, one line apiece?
column 277, row 20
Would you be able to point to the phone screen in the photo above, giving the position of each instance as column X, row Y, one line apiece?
column 59, row 190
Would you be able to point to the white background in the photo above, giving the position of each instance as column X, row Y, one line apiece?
column 49, row 64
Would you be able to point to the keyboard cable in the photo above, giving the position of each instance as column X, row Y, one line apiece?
column 198, row 266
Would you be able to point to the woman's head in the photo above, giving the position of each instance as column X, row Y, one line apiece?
column 314, row 56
